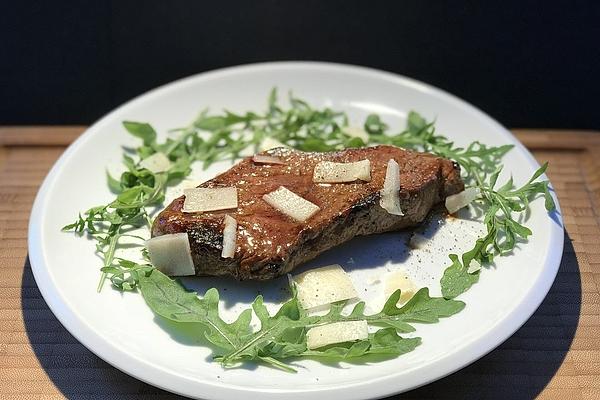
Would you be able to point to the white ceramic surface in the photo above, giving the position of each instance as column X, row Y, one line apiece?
column 123, row 331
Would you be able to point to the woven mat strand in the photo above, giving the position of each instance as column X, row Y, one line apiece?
column 555, row 355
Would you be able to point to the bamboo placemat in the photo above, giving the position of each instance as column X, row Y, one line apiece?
column 555, row 355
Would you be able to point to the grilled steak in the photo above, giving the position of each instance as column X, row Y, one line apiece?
column 270, row 243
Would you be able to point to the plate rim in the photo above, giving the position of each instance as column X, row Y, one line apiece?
column 155, row 375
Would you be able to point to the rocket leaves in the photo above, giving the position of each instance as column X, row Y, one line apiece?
column 503, row 208
column 283, row 335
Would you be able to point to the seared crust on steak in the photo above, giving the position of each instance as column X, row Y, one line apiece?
column 270, row 244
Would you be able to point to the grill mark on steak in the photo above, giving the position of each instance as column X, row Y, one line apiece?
column 270, row 244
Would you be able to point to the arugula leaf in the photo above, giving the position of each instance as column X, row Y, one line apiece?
column 141, row 130
column 113, row 184
column 172, row 301
column 421, row 308
column 272, row 329
column 384, row 342
column 374, row 125
column 416, row 123
column 283, row 335
column 503, row 229
column 125, row 274
column 456, row 280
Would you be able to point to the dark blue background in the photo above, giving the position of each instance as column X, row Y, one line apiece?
column 529, row 64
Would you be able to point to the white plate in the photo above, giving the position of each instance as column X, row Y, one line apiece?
column 123, row 331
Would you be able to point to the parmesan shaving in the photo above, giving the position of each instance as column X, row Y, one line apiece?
column 400, row 280
column 264, row 159
column 171, row 254
column 290, row 204
column 333, row 172
column 355, row 131
column 229, row 237
column 190, row 183
column 209, row 199
column 460, row 200
column 156, row 163
column 390, row 199
column 323, row 285
column 337, row 332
